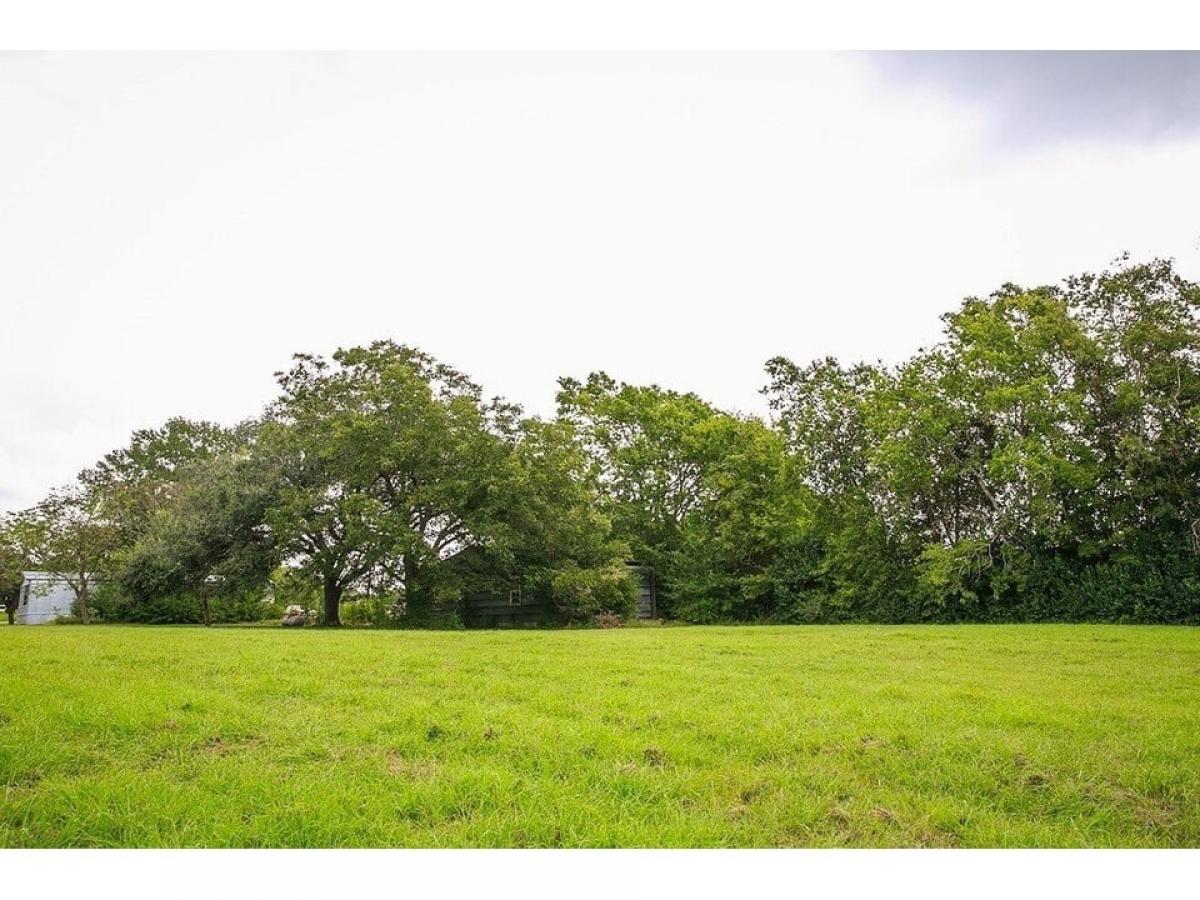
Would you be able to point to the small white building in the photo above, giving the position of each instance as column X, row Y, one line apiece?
column 43, row 598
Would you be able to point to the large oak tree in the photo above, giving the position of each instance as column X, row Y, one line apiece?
column 389, row 462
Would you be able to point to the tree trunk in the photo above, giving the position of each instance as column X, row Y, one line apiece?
column 417, row 605
column 333, row 599
column 82, row 596
column 10, row 607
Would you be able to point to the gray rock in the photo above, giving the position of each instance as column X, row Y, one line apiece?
column 295, row 616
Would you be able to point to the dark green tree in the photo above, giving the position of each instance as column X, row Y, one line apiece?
column 12, row 567
column 211, row 539
column 389, row 463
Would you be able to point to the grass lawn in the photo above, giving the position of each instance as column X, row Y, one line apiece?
column 1033, row 736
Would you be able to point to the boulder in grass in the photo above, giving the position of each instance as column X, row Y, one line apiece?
column 295, row 616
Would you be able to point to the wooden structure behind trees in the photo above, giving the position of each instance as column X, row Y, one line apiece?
column 505, row 603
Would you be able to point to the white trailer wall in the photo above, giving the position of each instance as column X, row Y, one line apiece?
column 44, row 597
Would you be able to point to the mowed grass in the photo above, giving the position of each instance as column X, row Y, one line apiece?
column 1031, row 736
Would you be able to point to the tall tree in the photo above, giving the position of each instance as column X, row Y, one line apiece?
column 738, row 549
column 211, row 537
column 143, row 478
column 706, row 497
column 70, row 534
column 1143, row 398
column 857, row 567
column 12, row 565
column 550, row 530
column 647, row 455
column 1052, row 431
column 821, row 410
column 389, row 463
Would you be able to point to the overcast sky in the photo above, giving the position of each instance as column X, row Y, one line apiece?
column 174, row 227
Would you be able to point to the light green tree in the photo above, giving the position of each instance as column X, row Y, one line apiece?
column 71, row 535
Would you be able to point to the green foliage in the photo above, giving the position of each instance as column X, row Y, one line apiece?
column 291, row 587
column 582, row 594
column 949, row 579
column 1042, row 462
column 183, row 608
column 646, row 454
column 72, row 535
column 1049, row 444
column 708, row 499
column 738, row 549
column 210, row 541
column 12, row 567
column 144, row 478
column 374, row 612
column 388, row 462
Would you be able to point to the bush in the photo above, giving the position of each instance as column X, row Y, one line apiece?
column 375, row 612
column 1164, row 589
column 951, row 581
column 581, row 594
column 183, row 608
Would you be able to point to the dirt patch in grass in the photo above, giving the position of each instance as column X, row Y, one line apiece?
column 1149, row 811
column 401, row 766
column 219, row 745
column 654, row 757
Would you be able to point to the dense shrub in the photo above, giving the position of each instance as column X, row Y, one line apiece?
column 1150, row 589
column 112, row 605
column 376, row 612
column 581, row 594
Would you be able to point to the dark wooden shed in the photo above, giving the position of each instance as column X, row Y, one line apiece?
column 647, row 600
column 501, row 602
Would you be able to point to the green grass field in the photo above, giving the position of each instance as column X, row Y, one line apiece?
column 1032, row 736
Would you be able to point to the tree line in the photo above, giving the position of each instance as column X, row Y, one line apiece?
column 1041, row 462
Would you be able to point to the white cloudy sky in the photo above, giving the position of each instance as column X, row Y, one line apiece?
column 173, row 227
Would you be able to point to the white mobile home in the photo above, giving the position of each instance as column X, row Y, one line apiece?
column 43, row 598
